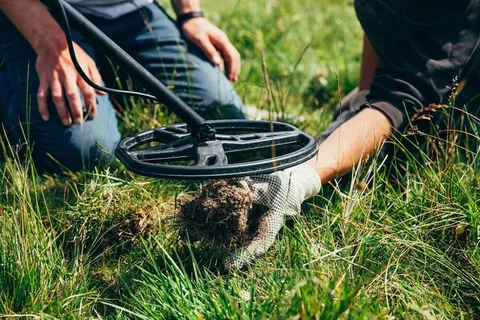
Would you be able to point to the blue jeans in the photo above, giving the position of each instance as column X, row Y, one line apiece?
column 153, row 39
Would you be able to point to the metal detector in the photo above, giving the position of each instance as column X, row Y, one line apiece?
column 196, row 149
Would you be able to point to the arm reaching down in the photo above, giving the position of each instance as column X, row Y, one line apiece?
column 352, row 142
column 283, row 192
column 57, row 74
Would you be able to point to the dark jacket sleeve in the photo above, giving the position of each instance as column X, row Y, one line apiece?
column 400, row 94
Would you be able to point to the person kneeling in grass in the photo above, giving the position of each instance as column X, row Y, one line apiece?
column 417, row 48
column 44, row 100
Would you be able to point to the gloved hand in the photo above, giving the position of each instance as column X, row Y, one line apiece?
column 282, row 193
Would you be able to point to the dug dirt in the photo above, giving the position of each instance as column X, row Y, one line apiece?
column 222, row 212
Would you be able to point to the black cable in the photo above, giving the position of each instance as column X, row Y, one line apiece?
column 71, row 49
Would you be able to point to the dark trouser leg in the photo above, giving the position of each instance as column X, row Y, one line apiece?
column 54, row 146
column 153, row 39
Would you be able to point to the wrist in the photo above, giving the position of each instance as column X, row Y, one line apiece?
column 53, row 44
column 306, row 179
column 186, row 6
column 182, row 18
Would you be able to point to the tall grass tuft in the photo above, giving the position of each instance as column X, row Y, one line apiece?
column 35, row 278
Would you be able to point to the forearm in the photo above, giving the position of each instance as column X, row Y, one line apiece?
column 36, row 24
column 351, row 143
column 185, row 6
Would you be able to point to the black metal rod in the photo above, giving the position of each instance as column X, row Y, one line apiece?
column 154, row 86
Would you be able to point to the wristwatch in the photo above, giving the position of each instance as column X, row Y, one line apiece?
column 182, row 18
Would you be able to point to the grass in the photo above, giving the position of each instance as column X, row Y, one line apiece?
column 100, row 244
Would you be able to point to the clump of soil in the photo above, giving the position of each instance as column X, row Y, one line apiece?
column 222, row 212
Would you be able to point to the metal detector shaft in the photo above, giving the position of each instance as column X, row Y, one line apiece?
column 132, row 67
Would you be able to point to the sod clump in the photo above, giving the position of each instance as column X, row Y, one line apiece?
column 222, row 212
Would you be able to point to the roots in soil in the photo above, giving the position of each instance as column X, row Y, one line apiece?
column 222, row 212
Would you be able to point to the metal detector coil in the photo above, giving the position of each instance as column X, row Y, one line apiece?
column 241, row 148
column 196, row 149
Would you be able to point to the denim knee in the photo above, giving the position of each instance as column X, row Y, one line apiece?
column 219, row 103
column 54, row 147
column 178, row 63
column 210, row 93
column 77, row 147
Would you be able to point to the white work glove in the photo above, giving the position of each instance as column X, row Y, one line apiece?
column 282, row 193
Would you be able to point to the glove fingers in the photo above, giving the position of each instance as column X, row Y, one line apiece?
column 268, row 228
column 257, row 187
column 266, row 189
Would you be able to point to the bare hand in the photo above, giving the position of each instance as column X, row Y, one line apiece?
column 59, row 78
column 215, row 44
